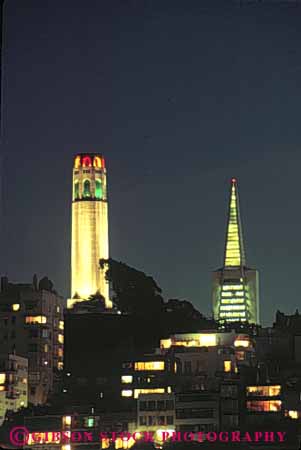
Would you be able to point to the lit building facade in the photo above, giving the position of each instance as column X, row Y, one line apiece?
column 32, row 326
column 235, row 286
column 90, row 240
column 13, row 384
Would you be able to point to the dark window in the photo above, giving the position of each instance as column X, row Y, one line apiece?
column 142, row 420
column 187, row 367
column 151, row 405
column 143, row 406
column 169, row 420
column 170, row 404
column 87, row 190
column 33, row 333
column 160, row 405
column 13, row 320
column 161, row 420
column 33, row 348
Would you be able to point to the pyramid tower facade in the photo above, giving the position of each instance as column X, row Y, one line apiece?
column 235, row 292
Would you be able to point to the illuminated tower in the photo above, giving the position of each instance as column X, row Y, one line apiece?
column 90, row 240
column 235, row 286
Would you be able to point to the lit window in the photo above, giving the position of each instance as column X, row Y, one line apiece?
column 165, row 343
column 127, row 393
column 77, row 162
column 137, row 392
column 232, row 307
column 60, row 365
column 2, row 378
column 60, row 352
column 232, row 287
column 15, row 307
column 150, row 365
column 60, row 338
column 97, row 161
column 264, row 405
column 45, row 348
column 227, row 366
column 2, row 388
column 35, row 319
column 87, row 161
column 263, row 391
column 240, row 342
column 126, row 379
column 89, row 422
column 67, row 421
column 292, row 414
column 98, row 189
column 61, row 324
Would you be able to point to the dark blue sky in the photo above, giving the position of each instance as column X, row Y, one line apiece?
column 179, row 97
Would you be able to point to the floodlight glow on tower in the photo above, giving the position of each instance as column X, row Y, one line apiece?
column 90, row 239
column 235, row 286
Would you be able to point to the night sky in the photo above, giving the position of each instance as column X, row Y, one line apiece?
column 179, row 97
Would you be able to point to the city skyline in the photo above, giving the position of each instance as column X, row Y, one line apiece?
column 175, row 120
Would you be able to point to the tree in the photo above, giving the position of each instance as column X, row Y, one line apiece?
column 134, row 291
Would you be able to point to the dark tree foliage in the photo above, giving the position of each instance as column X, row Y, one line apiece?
column 139, row 294
column 134, row 291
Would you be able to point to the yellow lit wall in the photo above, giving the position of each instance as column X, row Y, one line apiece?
column 90, row 241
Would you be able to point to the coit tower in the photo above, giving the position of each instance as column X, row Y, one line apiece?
column 89, row 240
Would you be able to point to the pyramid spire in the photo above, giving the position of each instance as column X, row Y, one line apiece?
column 234, row 248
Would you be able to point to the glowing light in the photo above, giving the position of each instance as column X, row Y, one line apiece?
column 165, row 343
column 89, row 240
column 227, row 366
column 150, row 365
column 126, row 379
column 35, row 319
column 87, row 161
column 2, row 378
column 67, row 420
column 127, row 393
column 98, row 189
column 207, row 340
column 293, row 414
column 264, row 405
column 97, row 161
column 242, row 342
column 264, row 391
column 15, row 307
column 137, row 392
column 66, row 447
column 234, row 253
column 77, row 162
